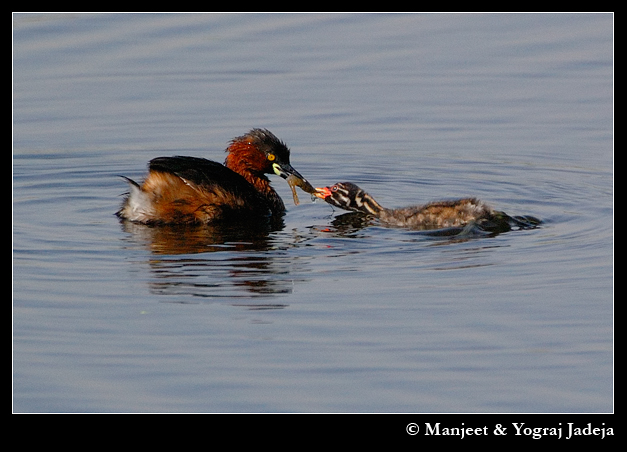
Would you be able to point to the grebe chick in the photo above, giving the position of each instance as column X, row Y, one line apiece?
column 434, row 215
column 186, row 190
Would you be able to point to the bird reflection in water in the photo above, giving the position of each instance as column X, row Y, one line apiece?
column 230, row 261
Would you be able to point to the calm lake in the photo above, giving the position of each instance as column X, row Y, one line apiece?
column 319, row 314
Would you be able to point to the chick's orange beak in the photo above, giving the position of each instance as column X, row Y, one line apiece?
column 323, row 192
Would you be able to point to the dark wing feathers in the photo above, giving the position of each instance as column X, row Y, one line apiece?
column 205, row 173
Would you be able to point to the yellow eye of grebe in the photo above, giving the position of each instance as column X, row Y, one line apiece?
column 271, row 157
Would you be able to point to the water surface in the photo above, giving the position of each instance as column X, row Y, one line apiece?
column 315, row 314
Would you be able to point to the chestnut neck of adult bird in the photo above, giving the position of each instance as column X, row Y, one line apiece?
column 245, row 159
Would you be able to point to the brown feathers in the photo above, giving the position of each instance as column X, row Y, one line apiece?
column 435, row 215
column 194, row 190
column 168, row 198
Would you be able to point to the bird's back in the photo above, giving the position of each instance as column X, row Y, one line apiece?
column 191, row 190
column 439, row 214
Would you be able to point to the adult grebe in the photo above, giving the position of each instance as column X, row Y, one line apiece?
column 434, row 215
column 186, row 190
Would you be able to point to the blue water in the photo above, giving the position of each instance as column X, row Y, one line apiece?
column 316, row 315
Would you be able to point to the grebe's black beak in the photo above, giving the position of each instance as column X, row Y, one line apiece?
column 285, row 170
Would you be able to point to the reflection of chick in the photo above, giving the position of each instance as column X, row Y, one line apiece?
column 434, row 215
